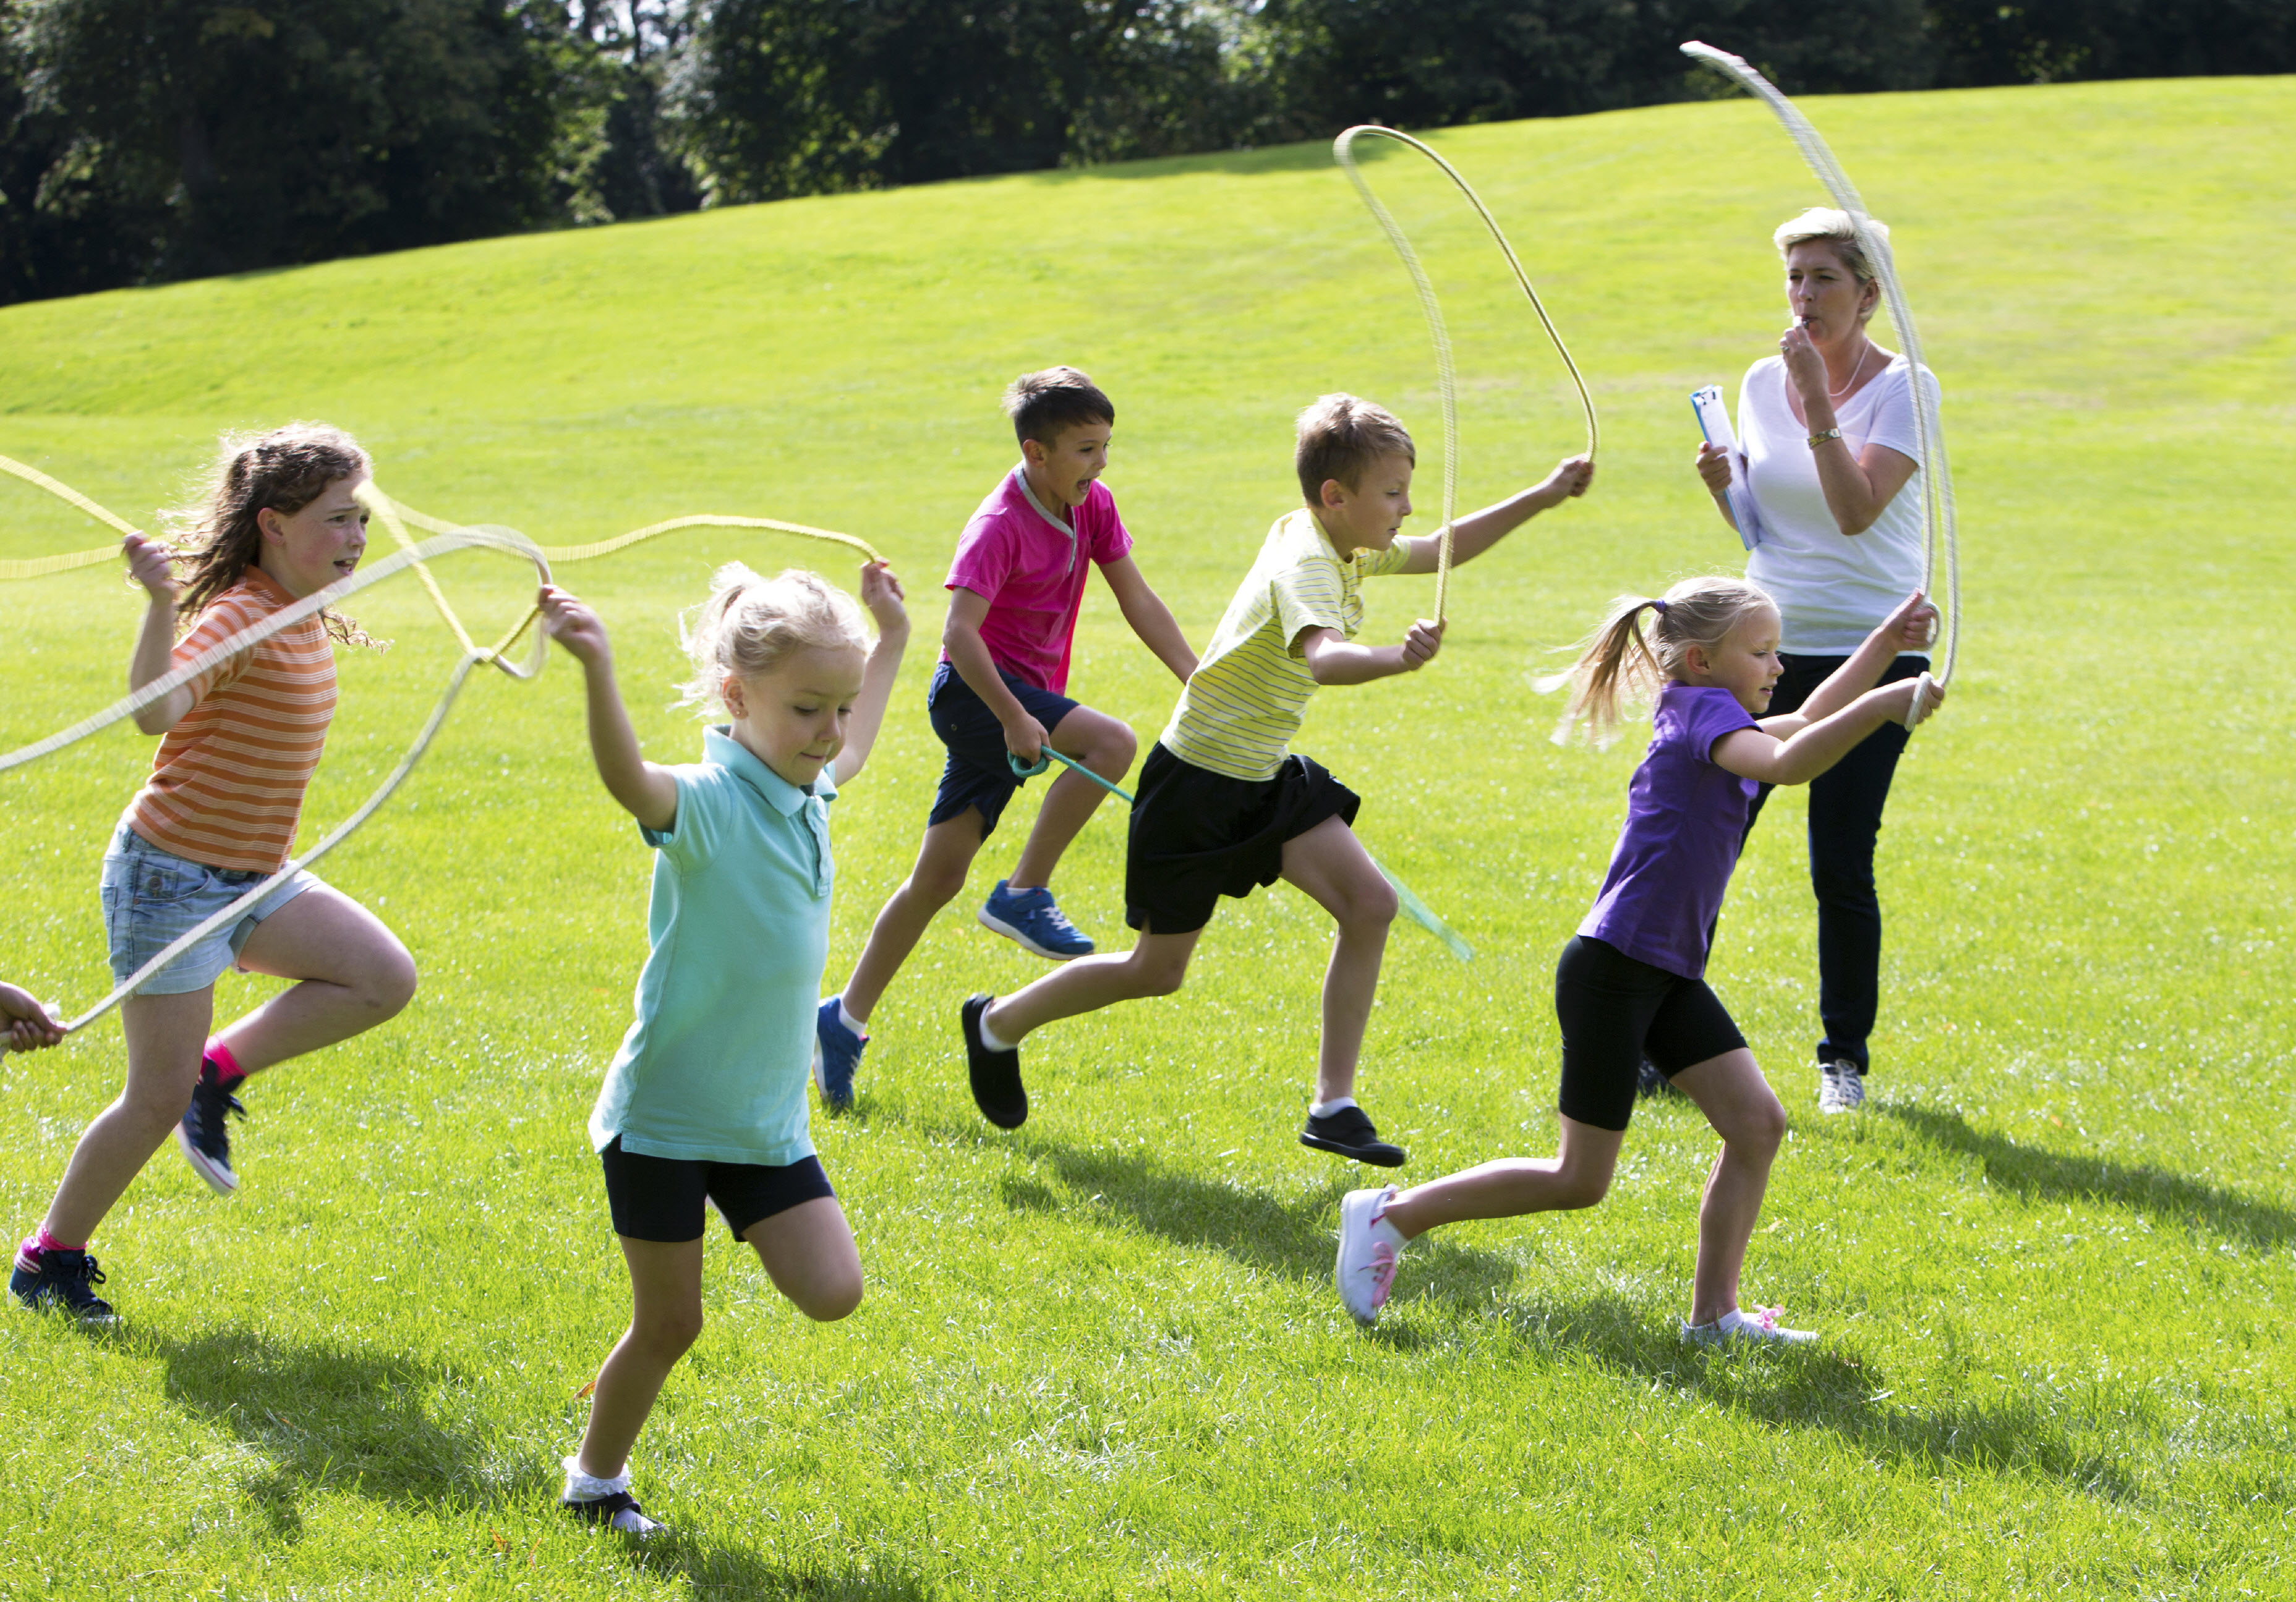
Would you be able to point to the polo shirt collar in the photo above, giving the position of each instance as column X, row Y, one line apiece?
column 1020, row 477
column 1324, row 541
column 719, row 746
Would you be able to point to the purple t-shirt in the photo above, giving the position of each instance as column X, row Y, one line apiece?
column 1685, row 819
column 1029, row 566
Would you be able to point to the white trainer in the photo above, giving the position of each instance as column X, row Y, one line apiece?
column 1741, row 1324
column 1840, row 1088
column 1368, row 1248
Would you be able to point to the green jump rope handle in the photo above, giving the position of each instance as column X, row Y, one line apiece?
column 1416, row 909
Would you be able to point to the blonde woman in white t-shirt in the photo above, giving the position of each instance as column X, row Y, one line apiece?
column 1826, row 427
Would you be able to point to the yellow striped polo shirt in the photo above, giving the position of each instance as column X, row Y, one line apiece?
column 226, row 787
column 1245, row 702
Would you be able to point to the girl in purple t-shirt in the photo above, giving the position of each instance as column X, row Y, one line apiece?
column 1630, row 984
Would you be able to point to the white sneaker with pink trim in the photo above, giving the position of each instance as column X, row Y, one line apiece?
column 1744, row 1324
column 1368, row 1248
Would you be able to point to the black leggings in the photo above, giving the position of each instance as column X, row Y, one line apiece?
column 1845, row 820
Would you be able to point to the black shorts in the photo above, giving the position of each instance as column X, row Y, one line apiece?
column 660, row 1199
column 976, row 773
column 1197, row 834
column 1616, row 1012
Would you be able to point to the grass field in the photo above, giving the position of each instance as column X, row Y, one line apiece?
column 2054, row 1260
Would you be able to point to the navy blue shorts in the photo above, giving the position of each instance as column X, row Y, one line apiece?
column 660, row 1199
column 978, row 774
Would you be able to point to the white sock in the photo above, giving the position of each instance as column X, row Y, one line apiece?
column 588, row 1487
column 1325, row 1109
column 860, row 1030
column 989, row 1038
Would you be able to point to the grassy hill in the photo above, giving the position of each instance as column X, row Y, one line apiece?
column 2054, row 1261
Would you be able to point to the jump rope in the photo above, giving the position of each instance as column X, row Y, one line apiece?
column 1928, row 428
column 1937, row 509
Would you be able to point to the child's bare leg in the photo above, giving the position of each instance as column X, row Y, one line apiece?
column 165, row 1034
column 809, row 1256
column 1330, row 864
column 355, row 975
column 665, row 1321
column 1154, row 967
column 1105, row 745
column 943, row 860
column 1578, row 1175
column 1745, row 1112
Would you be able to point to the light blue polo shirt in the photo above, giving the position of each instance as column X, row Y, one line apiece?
column 715, row 1067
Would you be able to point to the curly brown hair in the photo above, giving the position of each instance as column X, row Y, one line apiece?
column 286, row 469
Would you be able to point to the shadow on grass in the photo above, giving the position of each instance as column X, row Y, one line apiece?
column 1813, row 1388
column 334, row 1417
column 2046, row 1176
column 712, row 1571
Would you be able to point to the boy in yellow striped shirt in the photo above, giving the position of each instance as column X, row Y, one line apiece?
column 1225, row 807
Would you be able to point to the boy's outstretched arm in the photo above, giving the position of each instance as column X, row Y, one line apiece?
column 1148, row 616
column 1479, row 531
column 645, row 791
column 881, row 593
column 1332, row 658
column 968, row 653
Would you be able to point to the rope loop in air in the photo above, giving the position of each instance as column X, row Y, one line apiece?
column 1343, row 150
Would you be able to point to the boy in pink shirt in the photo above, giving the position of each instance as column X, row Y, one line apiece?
column 1000, row 692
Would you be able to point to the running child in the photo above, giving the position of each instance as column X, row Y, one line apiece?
column 1001, row 690
column 1630, row 984
column 705, row 1098
column 1225, row 807
column 279, row 520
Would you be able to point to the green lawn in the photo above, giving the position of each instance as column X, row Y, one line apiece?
column 2054, row 1261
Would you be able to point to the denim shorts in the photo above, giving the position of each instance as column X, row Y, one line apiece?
column 151, row 897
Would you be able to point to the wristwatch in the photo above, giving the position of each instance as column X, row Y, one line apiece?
column 1816, row 440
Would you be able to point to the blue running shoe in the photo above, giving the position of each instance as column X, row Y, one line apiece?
column 61, row 1278
column 836, row 1056
column 206, row 1143
column 1029, row 920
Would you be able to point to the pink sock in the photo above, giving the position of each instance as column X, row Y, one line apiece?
column 39, row 1240
column 228, row 1073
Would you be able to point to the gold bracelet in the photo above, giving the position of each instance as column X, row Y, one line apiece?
column 1816, row 440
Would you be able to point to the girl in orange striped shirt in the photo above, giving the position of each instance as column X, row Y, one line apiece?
column 279, row 521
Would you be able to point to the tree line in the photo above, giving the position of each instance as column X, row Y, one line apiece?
column 143, row 141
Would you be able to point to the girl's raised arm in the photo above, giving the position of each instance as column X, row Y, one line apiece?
column 1911, row 627
column 881, row 593
column 151, row 564
column 645, row 790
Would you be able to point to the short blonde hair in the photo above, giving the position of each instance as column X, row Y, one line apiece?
column 1341, row 436
column 1619, row 667
column 750, row 626
column 1826, row 225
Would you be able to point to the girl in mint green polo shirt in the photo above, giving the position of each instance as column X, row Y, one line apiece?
column 706, row 1096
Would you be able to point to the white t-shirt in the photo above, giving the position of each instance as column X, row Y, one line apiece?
column 1832, row 589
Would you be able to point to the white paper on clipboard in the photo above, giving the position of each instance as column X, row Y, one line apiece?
column 1714, row 422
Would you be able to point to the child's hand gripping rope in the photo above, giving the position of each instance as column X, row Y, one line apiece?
column 1420, row 912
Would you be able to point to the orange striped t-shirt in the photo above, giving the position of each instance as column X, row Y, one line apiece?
column 226, row 787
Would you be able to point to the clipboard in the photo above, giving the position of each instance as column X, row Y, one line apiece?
column 1714, row 423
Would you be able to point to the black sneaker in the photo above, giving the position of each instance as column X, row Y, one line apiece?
column 1349, row 1133
column 996, row 1085
column 206, row 1142
column 61, row 1278
column 1649, row 1081
column 620, row 1511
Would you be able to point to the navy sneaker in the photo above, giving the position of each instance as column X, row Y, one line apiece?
column 996, row 1088
column 836, row 1056
column 206, row 1142
column 61, row 1280
column 618, row 1511
column 1030, row 920
column 1349, row 1133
